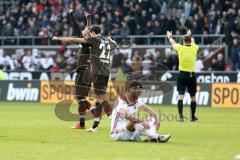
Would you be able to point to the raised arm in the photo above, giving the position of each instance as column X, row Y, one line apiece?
column 190, row 34
column 69, row 39
column 171, row 40
column 88, row 17
column 114, row 43
column 74, row 24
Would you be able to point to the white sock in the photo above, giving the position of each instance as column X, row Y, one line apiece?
column 91, row 108
column 141, row 131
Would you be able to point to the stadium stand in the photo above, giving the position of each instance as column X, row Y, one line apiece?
column 34, row 22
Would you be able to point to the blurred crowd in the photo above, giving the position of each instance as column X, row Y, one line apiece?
column 46, row 18
column 134, row 61
column 62, row 59
column 122, row 17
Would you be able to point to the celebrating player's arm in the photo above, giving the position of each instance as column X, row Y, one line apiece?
column 76, row 27
column 69, row 39
column 112, row 43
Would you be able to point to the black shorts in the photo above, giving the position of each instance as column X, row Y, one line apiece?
column 83, row 82
column 100, row 84
column 186, row 80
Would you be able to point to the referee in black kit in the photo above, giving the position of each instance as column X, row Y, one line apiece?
column 187, row 54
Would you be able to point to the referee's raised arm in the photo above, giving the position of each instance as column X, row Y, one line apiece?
column 187, row 55
column 171, row 40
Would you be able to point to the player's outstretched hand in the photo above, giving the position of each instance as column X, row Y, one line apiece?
column 87, row 15
column 169, row 34
column 71, row 11
column 85, row 32
column 109, row 38
column 54, row 38
column 189, row 32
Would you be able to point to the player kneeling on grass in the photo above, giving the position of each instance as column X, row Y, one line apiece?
column 126, row 126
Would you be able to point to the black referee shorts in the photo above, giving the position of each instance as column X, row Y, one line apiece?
column 186, row 80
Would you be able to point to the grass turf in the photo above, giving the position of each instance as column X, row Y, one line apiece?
column 32, row 131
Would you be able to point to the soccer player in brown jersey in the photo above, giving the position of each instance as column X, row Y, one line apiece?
column 83, row 78
column 100, row 59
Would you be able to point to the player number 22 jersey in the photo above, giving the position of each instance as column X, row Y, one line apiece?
column 100, row 55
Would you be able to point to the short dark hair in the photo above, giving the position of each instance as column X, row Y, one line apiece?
column 95, row 28
column 133, row 83
column 187, row 39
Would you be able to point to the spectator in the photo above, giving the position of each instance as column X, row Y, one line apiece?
column 147, row 65
column 199, row 64
column 2, row 76
column 46, row 62
column 43, row 17
column 187, row 7
column 71, row 62
column 35, row 17
column 206, row 39
column 9, row 62
column 124, row 30
column 149, row 28
column 219, row 64
column 237, row 22
column 235, row 54
column 8, row 30
column 59, row 64
column 219, row 27
column 29, row 61
column 125, row 67
column 164, row 7
column 136, row 64
column 17, row 62
column 168, row 61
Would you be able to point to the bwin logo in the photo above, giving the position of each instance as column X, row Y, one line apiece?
column 22, row 94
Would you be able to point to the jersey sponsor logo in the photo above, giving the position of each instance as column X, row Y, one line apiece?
column 27, row 93
column 226, row 95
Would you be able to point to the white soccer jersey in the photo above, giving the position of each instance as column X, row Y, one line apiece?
column 118, row 121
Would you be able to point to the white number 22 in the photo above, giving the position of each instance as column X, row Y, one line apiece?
column 105, row 51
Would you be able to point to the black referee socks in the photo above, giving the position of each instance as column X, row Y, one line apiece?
column 180, row 107
column 193, row 109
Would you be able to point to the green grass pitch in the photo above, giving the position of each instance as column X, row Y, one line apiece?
column 31, row 131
